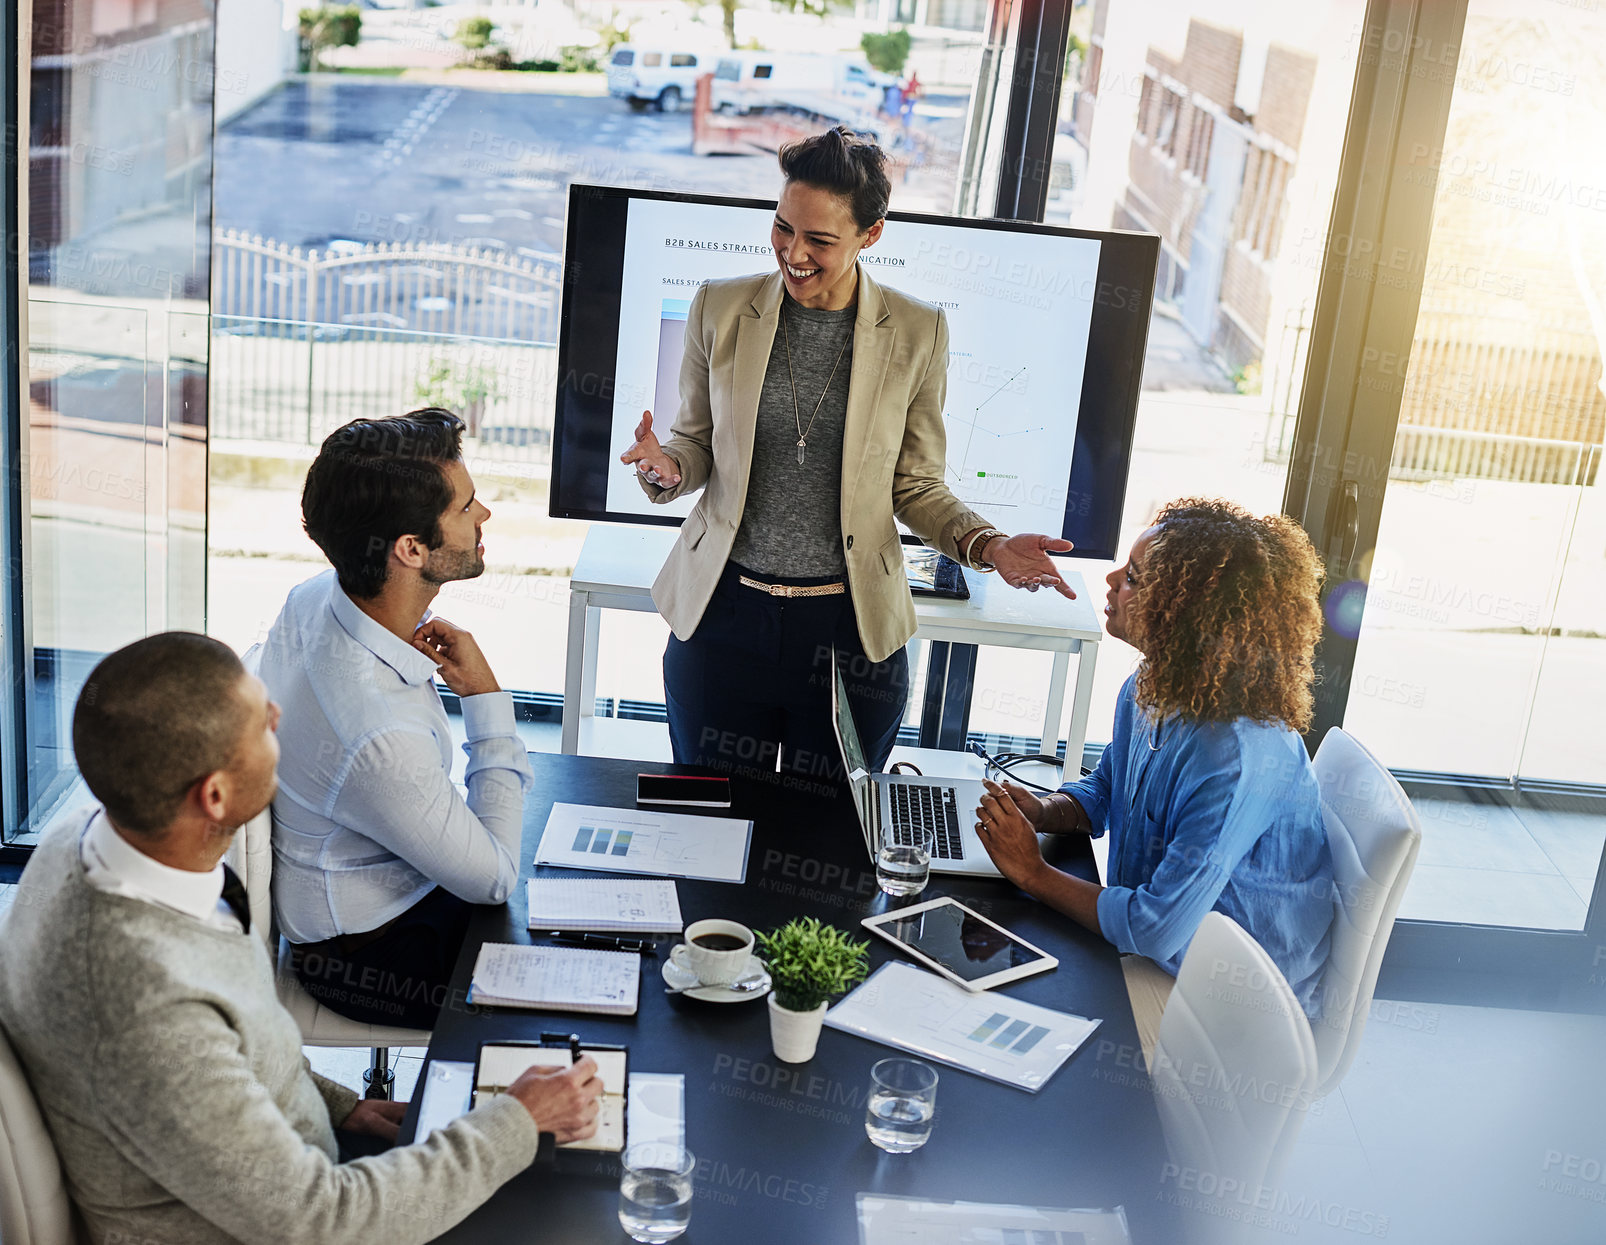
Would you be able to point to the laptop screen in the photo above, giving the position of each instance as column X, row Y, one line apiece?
column 847, row 735
column 847, row 732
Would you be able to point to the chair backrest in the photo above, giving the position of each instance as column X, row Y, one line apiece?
column 1234, row 1064
column 251, row 853
column 34, row 1209
column 1374, row 835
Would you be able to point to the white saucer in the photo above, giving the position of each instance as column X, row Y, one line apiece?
column 676, row 977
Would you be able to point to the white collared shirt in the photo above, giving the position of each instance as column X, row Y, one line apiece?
column 367, row 820
column 113, row 864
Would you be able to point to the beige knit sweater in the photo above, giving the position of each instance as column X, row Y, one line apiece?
column 177, row 1093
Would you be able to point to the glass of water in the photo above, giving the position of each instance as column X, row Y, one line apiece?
column 903, row 1100
column 903, row 862
column 655, row 1191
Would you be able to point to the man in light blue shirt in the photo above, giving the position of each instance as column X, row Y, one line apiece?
column 377, row 856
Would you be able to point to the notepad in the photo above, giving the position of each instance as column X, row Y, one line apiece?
column 557, row 979
column 606, row 905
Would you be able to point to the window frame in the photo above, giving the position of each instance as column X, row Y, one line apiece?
column 14, row 637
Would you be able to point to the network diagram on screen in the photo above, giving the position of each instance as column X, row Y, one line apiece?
column 1019, row 310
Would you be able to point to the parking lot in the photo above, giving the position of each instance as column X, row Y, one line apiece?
column 322, row 161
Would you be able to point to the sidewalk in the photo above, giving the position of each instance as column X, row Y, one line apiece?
column 510, row 81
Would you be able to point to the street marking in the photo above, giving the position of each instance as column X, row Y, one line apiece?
column 400, row 144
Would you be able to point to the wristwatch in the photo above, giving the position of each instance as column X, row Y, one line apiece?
column 981, row 539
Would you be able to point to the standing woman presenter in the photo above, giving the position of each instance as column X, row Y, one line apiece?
column 811, row 403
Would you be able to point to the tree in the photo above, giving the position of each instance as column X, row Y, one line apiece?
column 815, row 8
column 328, row 28
column 474, row 33
column 729, row 8
column 888, row 52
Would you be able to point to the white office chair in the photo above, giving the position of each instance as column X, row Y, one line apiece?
column 1374, row 835
column 34, row 1208
column 251, row 856
column 1234, row 1065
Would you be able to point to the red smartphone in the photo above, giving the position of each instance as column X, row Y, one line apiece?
column 689, row 790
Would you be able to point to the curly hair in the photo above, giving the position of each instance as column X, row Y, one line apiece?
column 1226, row 613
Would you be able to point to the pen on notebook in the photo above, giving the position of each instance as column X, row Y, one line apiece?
column 598, row 942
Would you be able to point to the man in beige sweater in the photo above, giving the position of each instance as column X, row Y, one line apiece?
column 144, row 1009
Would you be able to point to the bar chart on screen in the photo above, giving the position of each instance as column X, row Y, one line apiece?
column 623, row 840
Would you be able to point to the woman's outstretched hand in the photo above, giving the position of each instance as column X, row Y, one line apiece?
column 649, row 456
column 1023, row 561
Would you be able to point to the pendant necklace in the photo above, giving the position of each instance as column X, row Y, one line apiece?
column 802, row 432
column 1153, row 740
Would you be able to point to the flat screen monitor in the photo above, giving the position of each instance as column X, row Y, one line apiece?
column 1047, row 329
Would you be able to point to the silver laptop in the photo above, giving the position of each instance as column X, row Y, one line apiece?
column 946, row 805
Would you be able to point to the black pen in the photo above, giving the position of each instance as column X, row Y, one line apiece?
column 600, row 942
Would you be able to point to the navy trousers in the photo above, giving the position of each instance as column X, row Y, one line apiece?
column 750, row 692
column 397, row 975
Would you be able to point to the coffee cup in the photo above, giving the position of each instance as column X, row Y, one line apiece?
column 715, row 952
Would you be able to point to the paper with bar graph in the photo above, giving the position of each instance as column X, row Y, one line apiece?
column 1004, row 1039
column 628, row 840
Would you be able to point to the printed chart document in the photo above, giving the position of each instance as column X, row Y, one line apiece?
column 913, row 1221
column 559, row 979
column 1004, row 1039
column 604, row 905
column 628, row 840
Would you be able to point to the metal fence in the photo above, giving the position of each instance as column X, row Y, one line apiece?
column 279, row 380
column 303, row 341
column 446, row 290
column 1483, row 398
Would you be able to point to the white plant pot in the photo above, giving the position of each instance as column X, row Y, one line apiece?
column 794, row 1035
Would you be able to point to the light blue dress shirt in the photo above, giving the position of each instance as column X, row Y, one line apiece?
column 1218, row 815
column 367, row 820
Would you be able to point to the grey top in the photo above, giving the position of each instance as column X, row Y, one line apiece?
column 175, row 1088
column 792, row 522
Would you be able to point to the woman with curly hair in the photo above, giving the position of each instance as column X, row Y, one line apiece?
column 1206, row 790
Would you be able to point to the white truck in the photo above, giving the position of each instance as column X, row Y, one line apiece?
column 837, row 88
column 661, row 76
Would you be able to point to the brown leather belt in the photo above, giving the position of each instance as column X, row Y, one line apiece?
column 794, row 590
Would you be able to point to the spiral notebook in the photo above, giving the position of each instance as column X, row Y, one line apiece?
column 604, row 905
column 557, row 979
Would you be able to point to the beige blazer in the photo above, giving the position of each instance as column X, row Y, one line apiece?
column 893, row 448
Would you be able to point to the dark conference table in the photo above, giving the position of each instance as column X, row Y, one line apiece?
column 781, row 1149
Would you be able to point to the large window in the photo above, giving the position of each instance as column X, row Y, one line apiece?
column 112, row 439
column 1481, row 648
column 1169, row 122
column 391, row 235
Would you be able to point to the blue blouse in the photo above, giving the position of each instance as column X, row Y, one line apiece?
column 1216, row 815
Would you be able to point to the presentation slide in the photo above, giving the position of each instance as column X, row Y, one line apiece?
column 1019, row 306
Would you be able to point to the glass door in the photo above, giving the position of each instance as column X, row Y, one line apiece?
column 1446, row 461
column 1218, row 125
column 108, row 513
column 1480, row 648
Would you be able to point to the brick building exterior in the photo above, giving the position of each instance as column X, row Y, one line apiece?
column 1210, row 177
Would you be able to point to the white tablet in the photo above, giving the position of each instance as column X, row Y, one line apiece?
column 962, row 945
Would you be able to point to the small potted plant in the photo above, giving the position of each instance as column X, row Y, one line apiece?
column 808, row 964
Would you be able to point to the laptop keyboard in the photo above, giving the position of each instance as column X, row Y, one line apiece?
column 931, row 808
